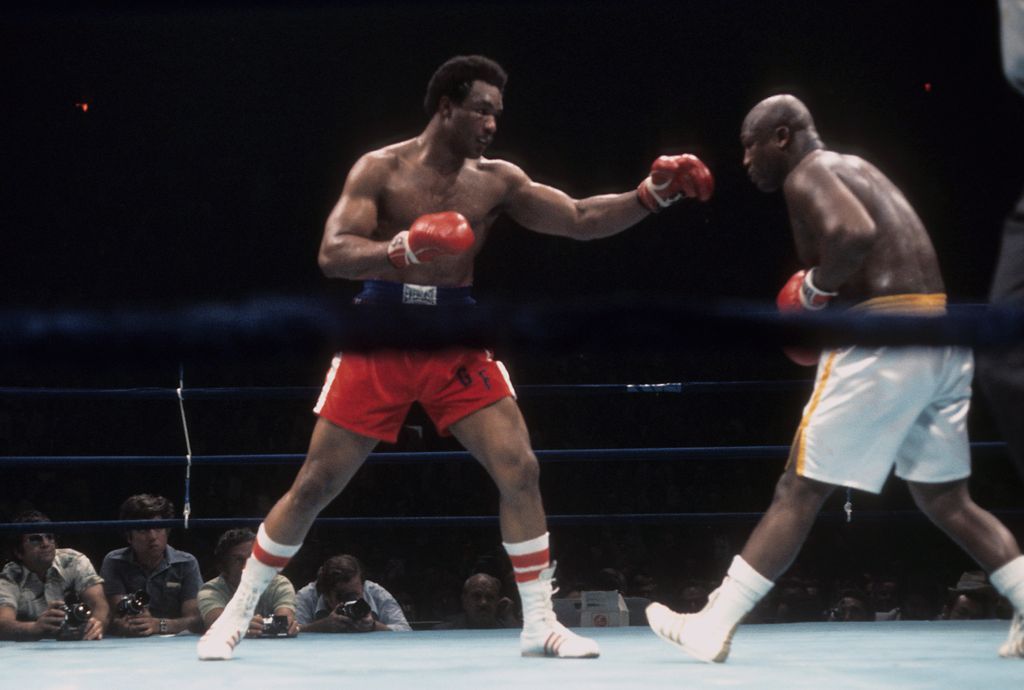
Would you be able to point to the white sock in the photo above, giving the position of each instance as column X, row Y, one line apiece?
column 739, row 592
column 522, row 548
column 267, row 559
column 529, row 559
column 1009, row 581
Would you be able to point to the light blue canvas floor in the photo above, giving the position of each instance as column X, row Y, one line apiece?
column 829, row 656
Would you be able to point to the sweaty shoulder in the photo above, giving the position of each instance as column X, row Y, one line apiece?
column 507, row 176
column 501, row 169
column 810, row 171
column 383, row 161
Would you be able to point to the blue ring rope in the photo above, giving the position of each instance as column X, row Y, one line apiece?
column 641, row 322
column 310, row 392
column 434, row 520
column 547, row 456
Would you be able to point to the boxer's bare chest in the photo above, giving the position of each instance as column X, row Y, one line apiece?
column 413, row 190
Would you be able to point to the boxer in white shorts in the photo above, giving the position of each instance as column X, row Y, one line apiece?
column 872, row 407
column 875, row 407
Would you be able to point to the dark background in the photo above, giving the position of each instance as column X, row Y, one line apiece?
column 217, row 138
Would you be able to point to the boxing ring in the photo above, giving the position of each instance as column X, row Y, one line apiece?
column 906, row 654
column 935, row 655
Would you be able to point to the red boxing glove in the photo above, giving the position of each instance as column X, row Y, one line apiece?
column 800, row 294
column 675, row 177
column 430, row 236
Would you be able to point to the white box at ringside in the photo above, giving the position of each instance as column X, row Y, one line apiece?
column 603, row 610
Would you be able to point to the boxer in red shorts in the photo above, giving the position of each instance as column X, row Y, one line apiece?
column 410, row 221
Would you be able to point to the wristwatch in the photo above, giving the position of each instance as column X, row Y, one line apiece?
column 163, row 626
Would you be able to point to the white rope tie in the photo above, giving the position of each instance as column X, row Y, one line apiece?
column 187, row 510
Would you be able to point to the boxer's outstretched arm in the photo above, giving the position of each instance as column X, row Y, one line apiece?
column 551, row 211
column 548, row 210
column 347, row 250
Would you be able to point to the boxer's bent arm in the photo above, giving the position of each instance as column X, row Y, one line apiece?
column 551, row 211
column 838, row 220
column 346, row 250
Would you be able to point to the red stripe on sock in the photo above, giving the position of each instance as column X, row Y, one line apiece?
column 268, row 558
column 528, row 577
column 531, row 560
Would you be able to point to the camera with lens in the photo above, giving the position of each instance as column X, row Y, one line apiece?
column 275, row 626
column 133, row 604
column 76, row 615
column 354, row 607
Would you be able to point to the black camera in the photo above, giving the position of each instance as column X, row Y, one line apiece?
column 133, row 603
column 76, row 614
column 275, row 626
column 355, row 608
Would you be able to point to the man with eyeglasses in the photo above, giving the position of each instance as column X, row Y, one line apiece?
column 36, row 584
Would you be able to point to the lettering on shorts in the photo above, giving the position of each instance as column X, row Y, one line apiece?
column 464, row 377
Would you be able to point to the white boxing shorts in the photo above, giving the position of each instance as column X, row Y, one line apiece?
column 874, row 408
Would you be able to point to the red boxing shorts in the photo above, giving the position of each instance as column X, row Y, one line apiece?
column 370, row 392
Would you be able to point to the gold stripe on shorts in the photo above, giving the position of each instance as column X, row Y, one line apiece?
column 934, row 303
column 797, row 451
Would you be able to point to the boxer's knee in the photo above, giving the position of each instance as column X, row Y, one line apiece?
column 798, row 492
column 940, row 502
column 515, row 470
column 313, row 488
column 308, row 497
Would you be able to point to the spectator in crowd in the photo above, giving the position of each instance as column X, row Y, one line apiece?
column 322, row 606
column 852, row 605
column 797, row 600
column 483, row 607
column 42, row 582
column 278, row 599
column 609, row 580
column 884, row 592
column 973, row 598
column 692, row 596
column 167, row 579
column 642, row 584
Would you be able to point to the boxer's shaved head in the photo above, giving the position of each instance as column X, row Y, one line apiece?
column 782, row 110
column 776, row 134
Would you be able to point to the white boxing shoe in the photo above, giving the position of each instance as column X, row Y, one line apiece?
column 219, row 642
column 216, row 646
column 557, row 641
column 1014, row 645
column 542, row 634
column 692, row 633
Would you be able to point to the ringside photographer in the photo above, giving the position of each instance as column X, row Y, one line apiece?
column 49, row 592
column 169, row 578
column 275, row 610
column 342, row 600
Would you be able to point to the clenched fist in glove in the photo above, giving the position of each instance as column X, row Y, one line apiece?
column 800, row 294
column 430, row 236
column 673, row 178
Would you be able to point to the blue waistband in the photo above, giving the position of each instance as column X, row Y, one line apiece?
column 385, row 292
